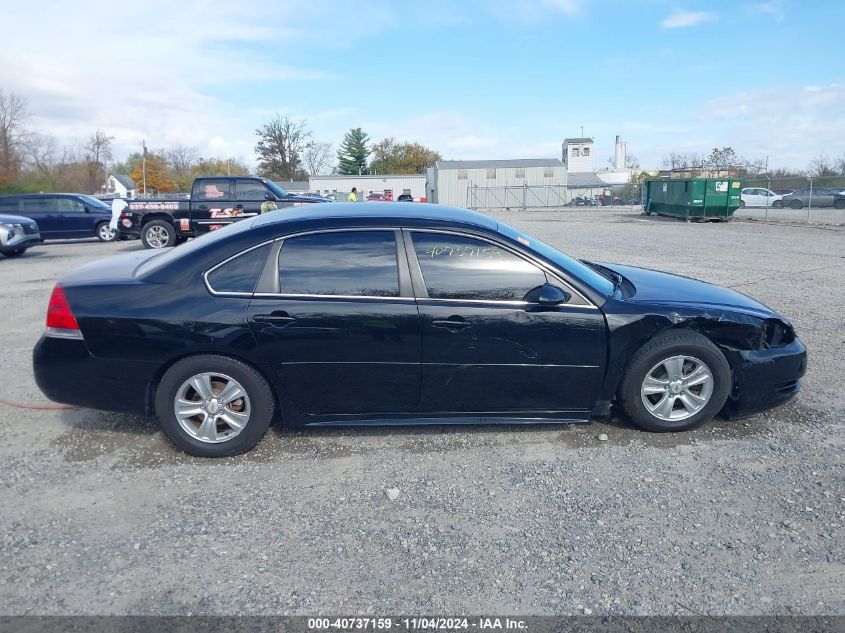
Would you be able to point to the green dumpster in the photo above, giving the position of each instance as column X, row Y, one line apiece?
column 693, row 199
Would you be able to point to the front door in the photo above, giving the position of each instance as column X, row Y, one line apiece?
column 339, row 329
column 249, row 194
column 486, row 349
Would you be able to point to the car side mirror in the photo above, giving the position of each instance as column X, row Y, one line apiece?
column 270, row 197
column 547, row 295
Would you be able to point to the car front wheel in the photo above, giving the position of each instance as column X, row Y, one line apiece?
column 214, row 406
column 675, row 382
column 158, row 234
column 777, row 204
column 14, row 252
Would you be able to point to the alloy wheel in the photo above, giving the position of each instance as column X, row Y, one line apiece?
column 677, row 388
column 212, row 407
column 157, row 236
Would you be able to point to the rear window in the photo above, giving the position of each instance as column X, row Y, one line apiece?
column 171, row 255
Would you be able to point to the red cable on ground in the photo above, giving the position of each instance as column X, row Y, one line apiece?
column 36, row 405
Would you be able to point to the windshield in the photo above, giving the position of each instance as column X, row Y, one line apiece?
column 276, row 189
column 94, row 202
column 599, row 282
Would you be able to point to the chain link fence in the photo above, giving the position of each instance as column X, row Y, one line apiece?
column 809, row 200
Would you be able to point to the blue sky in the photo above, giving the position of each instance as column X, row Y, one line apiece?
column 471, row 78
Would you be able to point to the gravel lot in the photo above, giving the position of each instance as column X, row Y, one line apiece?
column 101, row 515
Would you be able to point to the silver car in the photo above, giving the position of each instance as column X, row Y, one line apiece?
column 17, row 234
column 816, row 197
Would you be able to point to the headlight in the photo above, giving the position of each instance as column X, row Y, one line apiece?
column 776, row 334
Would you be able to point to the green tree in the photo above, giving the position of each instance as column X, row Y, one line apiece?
column 353, row 153
column 281, row 142
column 722, row 159
column 390, row 157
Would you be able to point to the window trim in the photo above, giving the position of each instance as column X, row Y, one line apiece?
column 268, row 285
column 233, row 293
column 421, row 291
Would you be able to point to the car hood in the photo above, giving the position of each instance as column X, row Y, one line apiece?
column 653, row 286
column 292, row 197
column 15, row 219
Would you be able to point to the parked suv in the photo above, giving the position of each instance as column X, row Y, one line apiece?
column 63, row 215
column 17, row 234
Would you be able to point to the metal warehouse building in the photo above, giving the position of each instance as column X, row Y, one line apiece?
column 395, row 184
column 450, row 181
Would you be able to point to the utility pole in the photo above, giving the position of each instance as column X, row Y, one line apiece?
column 144, row 166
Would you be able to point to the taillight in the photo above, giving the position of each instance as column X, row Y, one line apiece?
column 60, row 320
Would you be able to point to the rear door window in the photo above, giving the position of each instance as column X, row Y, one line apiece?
column 213, row 190
column 39, row 205
column 343, row 263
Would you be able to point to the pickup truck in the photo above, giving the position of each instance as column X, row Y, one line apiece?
column 214, row 203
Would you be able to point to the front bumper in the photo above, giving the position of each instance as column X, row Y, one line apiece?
column 763, row 379
column 66, row 372
column 18, row 239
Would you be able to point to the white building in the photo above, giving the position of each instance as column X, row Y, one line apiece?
column 449, row 180
column 391, row 185
column 619, row 174
column 577, row 154
column 121, row 186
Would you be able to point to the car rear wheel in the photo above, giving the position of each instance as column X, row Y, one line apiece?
column 214, row 406
column 158, row 234
column 675, row 382
column 14, row 252
column 105, row 233
column 796, row 204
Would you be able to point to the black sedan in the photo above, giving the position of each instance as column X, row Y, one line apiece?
column 332, row 315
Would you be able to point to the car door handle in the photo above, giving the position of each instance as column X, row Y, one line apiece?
column 239, row 206
column 203, row 207
column 274, row 318
column 452, row 323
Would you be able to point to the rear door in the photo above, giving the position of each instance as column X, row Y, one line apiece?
column 485, row 348
column 45, row 211
column 212, row 204
column 337, row 323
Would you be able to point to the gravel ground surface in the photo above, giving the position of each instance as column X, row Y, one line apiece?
column 101, row 515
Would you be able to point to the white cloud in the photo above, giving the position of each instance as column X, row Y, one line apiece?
column 680, row 19
column 155, row 73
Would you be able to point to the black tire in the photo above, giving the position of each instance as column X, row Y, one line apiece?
column 104, row 233
column 796, row 204
column 742, row 203
column 664, row 346
column 158, row 234
column 14, row 252
column 839, row 204
column 777, row 204
column 260, row 398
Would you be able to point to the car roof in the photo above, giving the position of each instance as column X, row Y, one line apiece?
column 43, row 195
column 393, row 211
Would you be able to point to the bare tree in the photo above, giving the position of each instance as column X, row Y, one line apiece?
column 181, row 159
column 97, row 154
column 820, row 166
column 280, row 146
column 840, row 165
column 12, row 135
column 679, row 160
column 317, row 158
